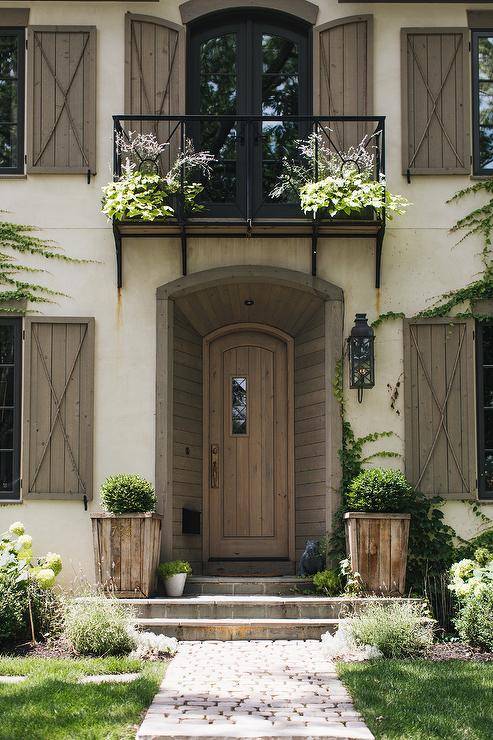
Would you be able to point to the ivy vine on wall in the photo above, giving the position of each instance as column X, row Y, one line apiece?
column 18, row 238
column 478, row 222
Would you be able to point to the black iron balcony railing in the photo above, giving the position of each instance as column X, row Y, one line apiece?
column 251, row 153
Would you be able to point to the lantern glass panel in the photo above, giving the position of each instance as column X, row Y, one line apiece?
column 361, row 362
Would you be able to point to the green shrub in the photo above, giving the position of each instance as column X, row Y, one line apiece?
column 127, row 494
column 173, row 567
column 474, row 622
column 13, row 609
column 467, row 550
column 327, row 582
column 99, row 626
column 398, row 629
column 26, row 582
column 379, row 490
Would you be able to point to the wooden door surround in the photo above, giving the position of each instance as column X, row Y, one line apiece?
column 248, row 472
column 189, row 310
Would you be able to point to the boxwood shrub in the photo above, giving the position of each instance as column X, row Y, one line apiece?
column 379, row 490
column 127, row 494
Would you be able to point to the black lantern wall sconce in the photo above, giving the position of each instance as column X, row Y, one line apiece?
column 361, row 355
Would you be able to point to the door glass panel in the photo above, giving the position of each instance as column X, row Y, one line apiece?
column 485, row 90
column 280, row 87
column 218, row 96
column 239, row 406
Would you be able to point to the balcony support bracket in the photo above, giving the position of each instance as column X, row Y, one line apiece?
column 314, row 247
column 184, row 251
column 118, row 251
column 378, row 255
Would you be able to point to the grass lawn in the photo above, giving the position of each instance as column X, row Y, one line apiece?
column 423, row 700
column 50, row 705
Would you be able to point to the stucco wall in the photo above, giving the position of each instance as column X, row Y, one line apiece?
column 419, row 262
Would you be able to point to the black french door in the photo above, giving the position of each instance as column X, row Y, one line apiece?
column 242, row 64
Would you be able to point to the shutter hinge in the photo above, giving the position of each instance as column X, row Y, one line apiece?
column 23, row 334
column 25, row 158
column 20, row 484
column 85, row 502
column 469, row 46
column 26, row 43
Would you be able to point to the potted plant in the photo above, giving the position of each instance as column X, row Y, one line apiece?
column 127, row 536
column 377, row 529
column 143, row 192
column 337, row 184
column 174, row 575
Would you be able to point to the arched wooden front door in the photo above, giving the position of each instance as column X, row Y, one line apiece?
column 248, row 432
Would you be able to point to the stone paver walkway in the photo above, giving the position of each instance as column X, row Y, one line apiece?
column 258, row 689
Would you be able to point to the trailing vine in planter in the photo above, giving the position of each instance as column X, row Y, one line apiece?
column 336, row 183
column 19, row 238
column 142, row 192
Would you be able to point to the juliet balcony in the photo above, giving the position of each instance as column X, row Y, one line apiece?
column 250, row 185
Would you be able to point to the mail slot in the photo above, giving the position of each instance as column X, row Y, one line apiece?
column 190, row 521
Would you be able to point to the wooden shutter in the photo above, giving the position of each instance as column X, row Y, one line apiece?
column 61, row 136
column 435, row 101
column 343, row 75
column 58, row 408
column 154, row 66
column 440, row 409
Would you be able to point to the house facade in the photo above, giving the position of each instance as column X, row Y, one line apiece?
column 201, row 351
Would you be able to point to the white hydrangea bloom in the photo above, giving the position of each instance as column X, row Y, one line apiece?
column 17, row 528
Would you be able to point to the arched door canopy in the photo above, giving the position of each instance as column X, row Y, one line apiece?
column 215, row 277
column 193, row 9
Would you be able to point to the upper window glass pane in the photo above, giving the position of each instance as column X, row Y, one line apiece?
column 218, row 75
column 483, row 84
column 280, row 88
column 11, row 97
column 279, row 76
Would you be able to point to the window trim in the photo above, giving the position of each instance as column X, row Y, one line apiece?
column 15, row 494
column 476, row 34
column 20, row 33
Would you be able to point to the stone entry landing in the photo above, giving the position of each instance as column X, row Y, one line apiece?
column 257, row 689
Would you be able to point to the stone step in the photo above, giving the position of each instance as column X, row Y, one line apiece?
column 246, row 607
column 240, row 629
column 258, row 585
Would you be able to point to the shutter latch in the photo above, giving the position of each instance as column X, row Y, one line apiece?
column 85, row 502
column 408, row 175
column 88, row 176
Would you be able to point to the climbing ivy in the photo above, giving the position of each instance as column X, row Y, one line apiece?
column 431, row 541
column 352, row 459
column 19, row 238
column 479, row 222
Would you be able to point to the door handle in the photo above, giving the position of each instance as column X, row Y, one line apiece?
column 214, row 466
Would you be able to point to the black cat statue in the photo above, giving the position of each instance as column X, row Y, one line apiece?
column 311, row 561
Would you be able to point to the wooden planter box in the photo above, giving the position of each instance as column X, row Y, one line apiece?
column 377, row 547
column 126, row 552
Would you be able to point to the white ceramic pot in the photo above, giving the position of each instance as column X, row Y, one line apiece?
column 174, row 585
